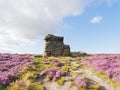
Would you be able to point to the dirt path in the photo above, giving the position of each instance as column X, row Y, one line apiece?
column 66, row 86
column 89, row 75
column 54, row 86
column 97, row 79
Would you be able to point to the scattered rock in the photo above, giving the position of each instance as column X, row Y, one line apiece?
column 78, row 54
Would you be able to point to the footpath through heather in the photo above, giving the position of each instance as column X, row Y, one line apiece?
column 90, row 75
column 97, row 79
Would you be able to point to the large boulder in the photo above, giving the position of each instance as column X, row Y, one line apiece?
column 55, row 46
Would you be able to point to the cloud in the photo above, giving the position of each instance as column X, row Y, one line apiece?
column 24, row 21
column 28, row 19
column 6, row 50
column 96, row 19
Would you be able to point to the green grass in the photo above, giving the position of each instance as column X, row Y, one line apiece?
column 3, row 88
column 104, row 77
column 36, row 86
column 28, row 74
column 60, row 81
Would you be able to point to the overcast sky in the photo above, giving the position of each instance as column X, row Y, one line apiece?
column 87, row 25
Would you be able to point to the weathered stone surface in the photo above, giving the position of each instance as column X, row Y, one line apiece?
column 55, row 46
column 66, row 51
column 78, row 54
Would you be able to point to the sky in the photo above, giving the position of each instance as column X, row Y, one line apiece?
column 91, row 26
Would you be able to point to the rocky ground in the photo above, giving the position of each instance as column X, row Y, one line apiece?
column 58, row 73
column 93, row 81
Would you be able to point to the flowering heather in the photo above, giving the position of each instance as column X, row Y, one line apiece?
column 106, row 63
column 53, row 73
column 80, row 81
column 57, row 63
column 10, row 64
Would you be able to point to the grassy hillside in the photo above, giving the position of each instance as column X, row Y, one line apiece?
column 29, row 72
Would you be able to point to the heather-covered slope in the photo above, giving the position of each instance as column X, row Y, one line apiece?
column 10, row 66
column 30, row 72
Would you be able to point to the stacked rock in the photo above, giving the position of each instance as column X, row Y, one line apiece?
column 55, row 46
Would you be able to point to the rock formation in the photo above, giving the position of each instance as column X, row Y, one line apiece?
column 78, row 54
column 55, row 46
